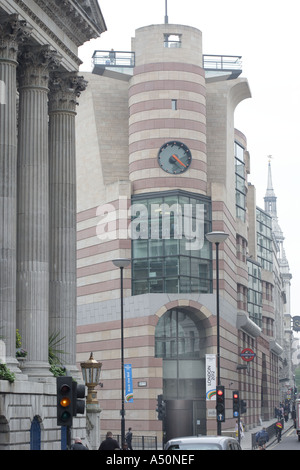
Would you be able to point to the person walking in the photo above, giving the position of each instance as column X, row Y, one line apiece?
column 128, row 439
column 262, row 437
column 278, row 428
column 109, row 443
column 78, row 445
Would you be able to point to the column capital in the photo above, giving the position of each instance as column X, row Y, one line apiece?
column 65, row 87
column 13, row 31
column 36, row 62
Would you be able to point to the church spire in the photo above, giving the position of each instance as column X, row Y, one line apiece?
column 270, row 198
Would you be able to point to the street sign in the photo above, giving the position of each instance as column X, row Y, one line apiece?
column 247, row 355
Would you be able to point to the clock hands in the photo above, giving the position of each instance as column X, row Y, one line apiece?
column 179, row 161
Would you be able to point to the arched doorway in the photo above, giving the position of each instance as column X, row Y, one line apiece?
column 180, row 340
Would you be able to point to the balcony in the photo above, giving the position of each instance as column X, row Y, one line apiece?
column 228, row 66
column 216, row 66
column 116, row 61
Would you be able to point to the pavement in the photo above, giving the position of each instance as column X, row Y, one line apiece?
column 246, row 442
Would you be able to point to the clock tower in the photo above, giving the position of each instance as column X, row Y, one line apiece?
column 167, row 123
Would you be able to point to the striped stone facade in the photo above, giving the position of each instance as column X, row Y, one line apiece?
column 122, row 123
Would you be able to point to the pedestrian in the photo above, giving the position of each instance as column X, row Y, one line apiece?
column 242, row 435
column 128, row 439
column 262, row 437
column 278, row 428
column 78, row 445
column 109, row 443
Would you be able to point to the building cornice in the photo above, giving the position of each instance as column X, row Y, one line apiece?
column 75, row 18
column 77, row 21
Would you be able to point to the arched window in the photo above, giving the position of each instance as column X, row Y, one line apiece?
column 177, row 336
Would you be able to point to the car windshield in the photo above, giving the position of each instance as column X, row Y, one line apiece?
column 196, row 446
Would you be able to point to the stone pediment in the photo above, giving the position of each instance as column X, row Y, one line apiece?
column 64, row 25
column 81, row 20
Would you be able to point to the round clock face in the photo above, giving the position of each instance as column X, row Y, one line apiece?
column 174, row 157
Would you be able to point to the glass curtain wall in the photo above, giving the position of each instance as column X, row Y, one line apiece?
column 169, row 250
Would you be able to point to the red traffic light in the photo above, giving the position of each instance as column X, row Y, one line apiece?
column 220, row 392
column 236, row 396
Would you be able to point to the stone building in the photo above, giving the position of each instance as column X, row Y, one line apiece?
column 39, row 90
column 156, row 136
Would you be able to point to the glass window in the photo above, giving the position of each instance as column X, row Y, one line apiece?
column 254, row 293
column 264, row 239
column 240, row 182
column 178, row 331
column 174, row 105
column 178, row 257
column 172, row 40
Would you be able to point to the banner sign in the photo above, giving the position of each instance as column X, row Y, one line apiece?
column 210, row 376
column 128, row 383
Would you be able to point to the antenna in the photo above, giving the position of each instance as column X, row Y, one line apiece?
column 166, row 14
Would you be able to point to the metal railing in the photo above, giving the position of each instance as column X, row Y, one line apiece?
column 222, row 62
column 114, row 58
column 139, row 442
column 271, row 430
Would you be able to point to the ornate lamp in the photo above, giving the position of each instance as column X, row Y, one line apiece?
column 91, row 375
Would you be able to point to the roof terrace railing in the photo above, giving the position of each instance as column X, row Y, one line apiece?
column 114, row 58
column 222, row 62
column 127, row 59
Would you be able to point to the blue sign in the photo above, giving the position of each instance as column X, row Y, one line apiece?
column 128, row 383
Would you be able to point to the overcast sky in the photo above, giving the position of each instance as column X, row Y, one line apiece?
column 266, row 34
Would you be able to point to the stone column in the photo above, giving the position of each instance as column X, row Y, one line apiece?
column 64, row 90
column 12, row 31
column 33, row 208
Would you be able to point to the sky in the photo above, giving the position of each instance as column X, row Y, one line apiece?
column 266, row 34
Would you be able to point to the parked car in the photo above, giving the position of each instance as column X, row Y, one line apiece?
column 203, row 443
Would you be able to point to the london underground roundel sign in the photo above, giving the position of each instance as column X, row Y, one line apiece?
column 247, row 355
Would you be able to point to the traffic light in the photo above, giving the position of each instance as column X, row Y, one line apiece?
column 78, row 393
column 161, row 408
column 220, row 403
column 243, row 407
column 64, row 401
column 236, row 404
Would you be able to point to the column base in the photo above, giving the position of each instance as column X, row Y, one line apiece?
column 38, row 371
column 14, row 366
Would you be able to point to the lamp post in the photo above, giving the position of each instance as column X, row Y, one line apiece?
column 122, row 263
column 217, row 238
column 91, row 375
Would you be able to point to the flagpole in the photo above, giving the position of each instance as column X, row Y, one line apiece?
column 166, row 15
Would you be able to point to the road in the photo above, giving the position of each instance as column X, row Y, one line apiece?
column 289, row 441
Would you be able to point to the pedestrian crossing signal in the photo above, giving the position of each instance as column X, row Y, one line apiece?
column 236, row 404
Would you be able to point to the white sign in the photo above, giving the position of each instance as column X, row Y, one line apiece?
column 210, row 376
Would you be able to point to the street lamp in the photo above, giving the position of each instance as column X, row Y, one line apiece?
column 217, row 238
column 122, row 263
column 91, row 375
